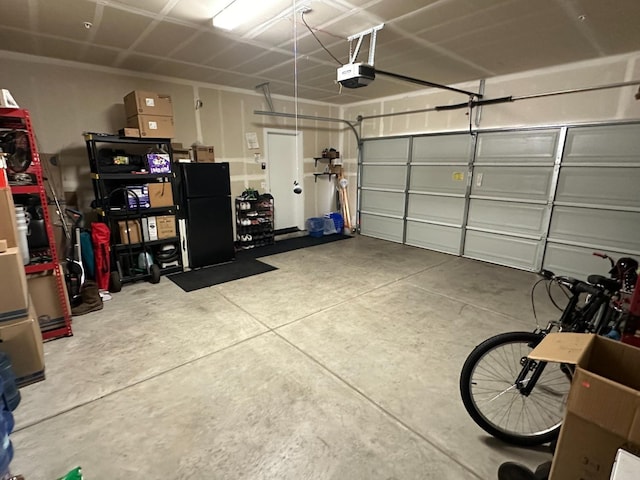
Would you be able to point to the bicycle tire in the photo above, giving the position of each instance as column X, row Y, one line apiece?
column 490, row 396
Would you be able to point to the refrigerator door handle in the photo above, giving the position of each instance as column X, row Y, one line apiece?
column 184, row 249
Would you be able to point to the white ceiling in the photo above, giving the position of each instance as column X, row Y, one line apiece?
column 442, row 41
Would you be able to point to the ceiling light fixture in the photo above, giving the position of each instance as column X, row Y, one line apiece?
column 238, row 12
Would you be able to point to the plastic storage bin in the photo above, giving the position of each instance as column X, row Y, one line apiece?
column 337, row 220
column 315, row 226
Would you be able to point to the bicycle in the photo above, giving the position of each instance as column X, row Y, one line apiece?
column 522, row 401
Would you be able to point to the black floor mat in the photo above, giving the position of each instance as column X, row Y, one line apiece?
column 289, row 244
column 216, row 274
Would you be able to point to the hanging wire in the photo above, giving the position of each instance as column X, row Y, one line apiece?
column 318, row 40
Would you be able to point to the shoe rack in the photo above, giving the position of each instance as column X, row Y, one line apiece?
column 254, row 221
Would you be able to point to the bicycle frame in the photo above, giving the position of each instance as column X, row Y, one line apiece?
column 593, row 317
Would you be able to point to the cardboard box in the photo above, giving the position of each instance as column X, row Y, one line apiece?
column 8, row 222
column 21, row 340
column 140, row 102
column 180, row 153
column 203, row 154
column 337, row 169
column 129, row 132
column 153, row 126
column 132, row 227
column 14, row 299
column 166, row 226
column 45, row 299
column 160, row 194
column 603, row 407
column 182, row 156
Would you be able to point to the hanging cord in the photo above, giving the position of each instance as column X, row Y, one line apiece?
column 318, row 40
column 549, row 294
column 295, row 85
column 533, row 302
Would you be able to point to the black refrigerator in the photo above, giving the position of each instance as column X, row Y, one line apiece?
column 204, row 192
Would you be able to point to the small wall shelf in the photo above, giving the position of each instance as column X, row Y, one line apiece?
column 330, row 174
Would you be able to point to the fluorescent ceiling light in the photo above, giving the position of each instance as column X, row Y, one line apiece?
column 238, row 12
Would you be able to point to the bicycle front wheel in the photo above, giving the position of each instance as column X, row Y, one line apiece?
column 494, row 400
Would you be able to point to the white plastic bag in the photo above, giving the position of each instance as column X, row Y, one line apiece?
column 329, row 226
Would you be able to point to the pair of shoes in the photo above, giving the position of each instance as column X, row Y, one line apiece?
column 514, row 471
column 91, row 299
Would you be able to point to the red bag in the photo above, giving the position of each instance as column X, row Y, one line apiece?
column 100, row 237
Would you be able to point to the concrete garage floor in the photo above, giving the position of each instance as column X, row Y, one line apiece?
column 341, row 364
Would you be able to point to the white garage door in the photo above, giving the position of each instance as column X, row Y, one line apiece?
column 510, row 197
column 597, row 204
column 383, row 185
column 438, row 176
column 527, row 199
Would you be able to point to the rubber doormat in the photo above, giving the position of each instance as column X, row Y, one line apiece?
column 289, row 244
column 217, row 274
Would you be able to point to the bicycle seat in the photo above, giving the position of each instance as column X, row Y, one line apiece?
column 611, row 284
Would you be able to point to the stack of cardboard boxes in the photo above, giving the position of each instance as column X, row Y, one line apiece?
column 20, row 336
column 150, row 113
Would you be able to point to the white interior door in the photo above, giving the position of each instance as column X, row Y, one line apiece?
column 284, row 167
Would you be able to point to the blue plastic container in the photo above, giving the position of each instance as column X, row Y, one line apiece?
column 315, row 226
column 337, row 220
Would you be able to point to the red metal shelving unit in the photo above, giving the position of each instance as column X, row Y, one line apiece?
column 19, row 119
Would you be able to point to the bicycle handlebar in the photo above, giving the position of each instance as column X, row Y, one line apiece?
column 587, row 288
column 576, row 286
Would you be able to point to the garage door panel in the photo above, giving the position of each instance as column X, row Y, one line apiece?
column 502, row 249
column 440, row 179
column 441, row 148
column 381, row 227
column 386, row 150
column 383, row 202
column 527, row 183
column 577, row 262
column 392, row 177
column 601, row 228
column 612, row 143
column 434, row 237
column 507, row 217
column 600, row 186
column 436, row 209
column 530, row 146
